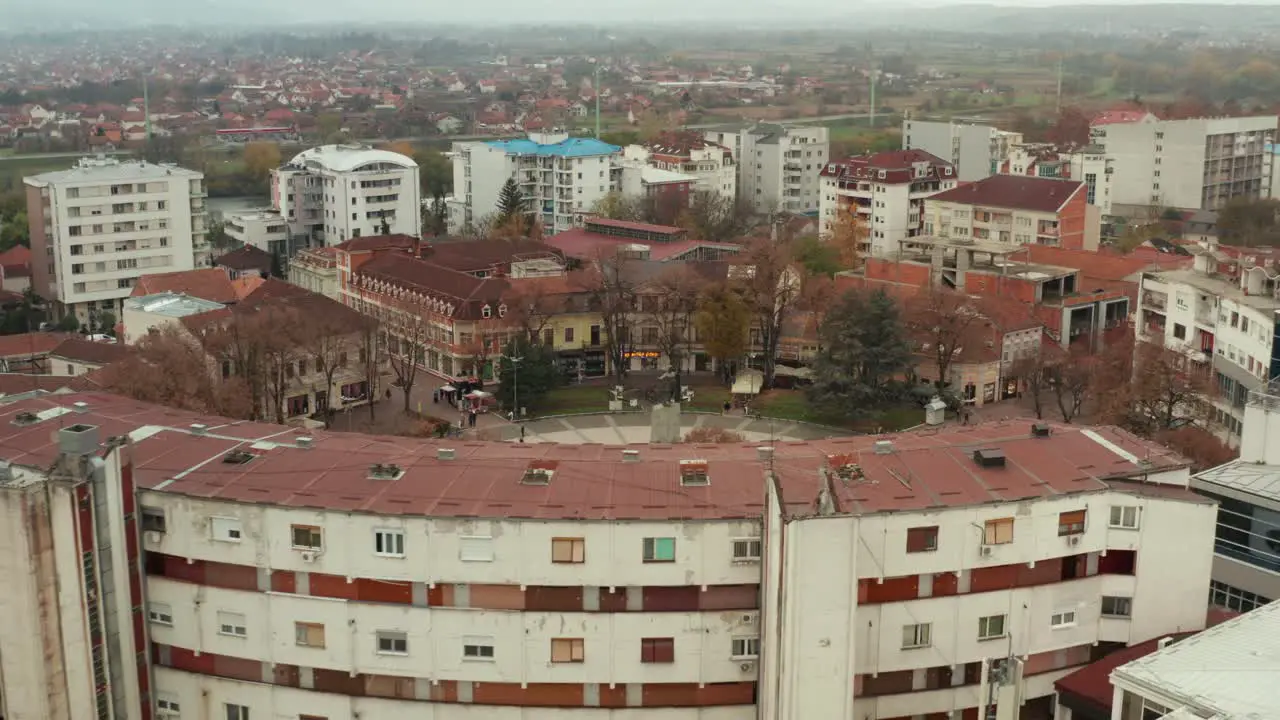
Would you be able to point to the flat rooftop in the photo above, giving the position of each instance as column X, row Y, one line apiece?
column 990, row 247
column 1220, row 287
column 101, row 170
column 927, row 470
column 1228, row 672
column 170, row 304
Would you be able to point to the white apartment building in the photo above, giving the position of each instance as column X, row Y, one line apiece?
column 560, row 177
column 264, row 229
column 332, row 193
column 1199, row 163
column 327, row 575
column 778, row 165
column 710, row 164
column 887, row 191
column 977, row 151
column 1089, row 165
column 1222, row 314
column 98, row 227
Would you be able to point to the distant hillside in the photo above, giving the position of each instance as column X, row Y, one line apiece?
column 1117, row 19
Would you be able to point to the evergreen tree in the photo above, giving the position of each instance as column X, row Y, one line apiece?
column 529, row 380
column 864, row 358
column 511, row 202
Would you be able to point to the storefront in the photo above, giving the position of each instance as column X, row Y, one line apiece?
column 642, row 360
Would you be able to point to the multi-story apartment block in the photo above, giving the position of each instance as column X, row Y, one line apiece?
column 1187, row 164
column 250, row 570
column 1088, row 165
column 1224, row 317
column 778, row 165
column 1246, row 562
column 332, row 193
column 264, row 229
column 98, row 227
column 711, row 164
column 560, row 177
column 977, row 151
column 1016, row 210
column 886, row 191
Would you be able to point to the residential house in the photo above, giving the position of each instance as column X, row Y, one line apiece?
column 247, row 261
column 79, row 356
column 1016, row 210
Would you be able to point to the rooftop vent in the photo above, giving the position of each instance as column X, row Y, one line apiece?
column 764, row 453
column 445, row 453
column 539, row 472
column 1040, row 430
column 304, row 442
column 989, row 457
column 1164, row 642
column 78, row 439
column 693, row 473
column 81, row 407
column 199, row 429
column 25, row 418
column 630, row 456
column 378, row 471
column 238, row 457
column 883, row 447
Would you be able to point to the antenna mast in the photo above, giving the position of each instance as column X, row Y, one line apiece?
column 146, row 108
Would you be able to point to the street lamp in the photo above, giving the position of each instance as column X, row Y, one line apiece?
column 515, row 385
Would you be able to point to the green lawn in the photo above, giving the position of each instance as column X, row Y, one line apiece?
column 574, row 399
column 793, row 405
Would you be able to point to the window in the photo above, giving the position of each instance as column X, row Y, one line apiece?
column 307, row 537
column 567, row 650
column 475, row 548
column 568, row 550
column 998, row 532
column 232, row 624
column 922, row 539
column 1115, row 606
column 309, row 634
column 1063, row 619
column 659, row 550
column 916, row 636
column 1180, row 331
column 392, row 643
column 991, row 627
column 1124, row 517
column 657, row 650
column 160, row 613
column 746, row 647
column 1071, row 523
column 225, row 529
column 477, row 648
column 388, row 543
column 167, row 706
column 568, row 335
column 236, row 712
column 152, row 519
column 746, row 550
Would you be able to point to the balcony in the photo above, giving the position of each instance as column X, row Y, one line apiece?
column 1156, row 300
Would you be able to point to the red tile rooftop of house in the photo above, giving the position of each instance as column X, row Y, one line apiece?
column 1017, row 192
column 933, row 469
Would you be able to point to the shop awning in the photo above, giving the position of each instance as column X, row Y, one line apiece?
column 748, row 382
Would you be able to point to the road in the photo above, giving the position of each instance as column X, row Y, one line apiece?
column 791, row 121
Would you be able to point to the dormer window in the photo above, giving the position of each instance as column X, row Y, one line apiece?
column 880, row 174
column 693, row 473
column 486, row 312
column 502, row 311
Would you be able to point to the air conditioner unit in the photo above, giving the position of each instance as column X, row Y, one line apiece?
column 153, row 536
column 310, row 556
column 747, row 666
column 1073, row 540
column 985, row 551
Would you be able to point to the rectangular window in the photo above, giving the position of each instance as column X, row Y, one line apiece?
column 1071, row 523
column 916, row 636
column 1063, row 619
column 167, row 706
column 152, row 519
column 160, row 613
column 309, row 634
column 922, row 539
column 236, row 712
column 567, row 650
column 388, row 543
column 657, row 650
column 1115, row 606
column 475, row 548
column 991, row 627
column 307, row 537
column 232, row 624
column 225, row 529
column 659, row 550
column 477, row 648
column 568, row 335
column 745, row 647
column 568, row 550
column 746, row 550
column 998, row 532
column 392, row 643
column 1124, row 517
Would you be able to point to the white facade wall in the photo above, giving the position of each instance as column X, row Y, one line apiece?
column 343, row 189
column 894, row 210
column 266, row 231
column 706, row 165
column 975, row 150
column 1095, row 171
column 778, row 167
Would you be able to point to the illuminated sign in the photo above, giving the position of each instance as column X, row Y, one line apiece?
column 641, row 354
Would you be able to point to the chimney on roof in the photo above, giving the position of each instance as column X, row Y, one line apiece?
column 198, row 428
column 1040, row 430
column 630, row 456
column 445, row 453
column 304, row 442
column 1164, row 643
column 764, row 453
column 989, row 457
column 81, row 407
column 883, row 447
column 78, row 440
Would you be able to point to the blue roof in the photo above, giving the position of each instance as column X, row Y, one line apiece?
column 573, row 147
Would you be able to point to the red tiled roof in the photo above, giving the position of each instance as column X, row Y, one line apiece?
column 18, row 256
column 466, row 292
column 897, row 166
column 246, row 258
column 480, row 255
column 1016, row 192
column 378, row 242
column 591, row 481
column 211, row 284
column 637, row 226
column 1093, row 265
column 30, row 344
column 17, row 383
column 1092, row 683
column 89, row 351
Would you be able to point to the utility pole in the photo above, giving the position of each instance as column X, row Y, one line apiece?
column 146, row 108
column 1057, row 108
column 515, row 385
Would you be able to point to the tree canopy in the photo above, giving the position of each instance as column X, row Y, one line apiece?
column 528, row 381
column 864, row 356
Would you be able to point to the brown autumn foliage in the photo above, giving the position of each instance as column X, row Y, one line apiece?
column 1197, row 445
column 713, row 436
column 170, row 368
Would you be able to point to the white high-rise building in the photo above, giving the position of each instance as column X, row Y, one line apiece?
column 976, row 150
column 887, row 191
column 712, row 165
column 1189, row 164
column 778, row 165
column 559, row 177
column 98, row 227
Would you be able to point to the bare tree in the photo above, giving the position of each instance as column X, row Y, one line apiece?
column 714, row 217
column 943, row 320
column 771, row 288
column 1165, row 391
column 489, row 337
column 673, row 298
column 170, row 367
column 1036, row 379
column 408, row 335
column 530, row 307
column 329, row 338
column 611, row 293
column 1074, row 380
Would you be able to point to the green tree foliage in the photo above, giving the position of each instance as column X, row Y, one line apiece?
column 435, row 217
column 529, row 380
column 511, row 202
column 721, row 321
column 817, row 257
column 1246, row 221
column 864, row 356
column 435, row 173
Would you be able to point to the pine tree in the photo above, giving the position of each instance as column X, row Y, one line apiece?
column 511, row 202
column 864, row 356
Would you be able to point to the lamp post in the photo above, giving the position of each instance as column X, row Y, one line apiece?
column 515, row 385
